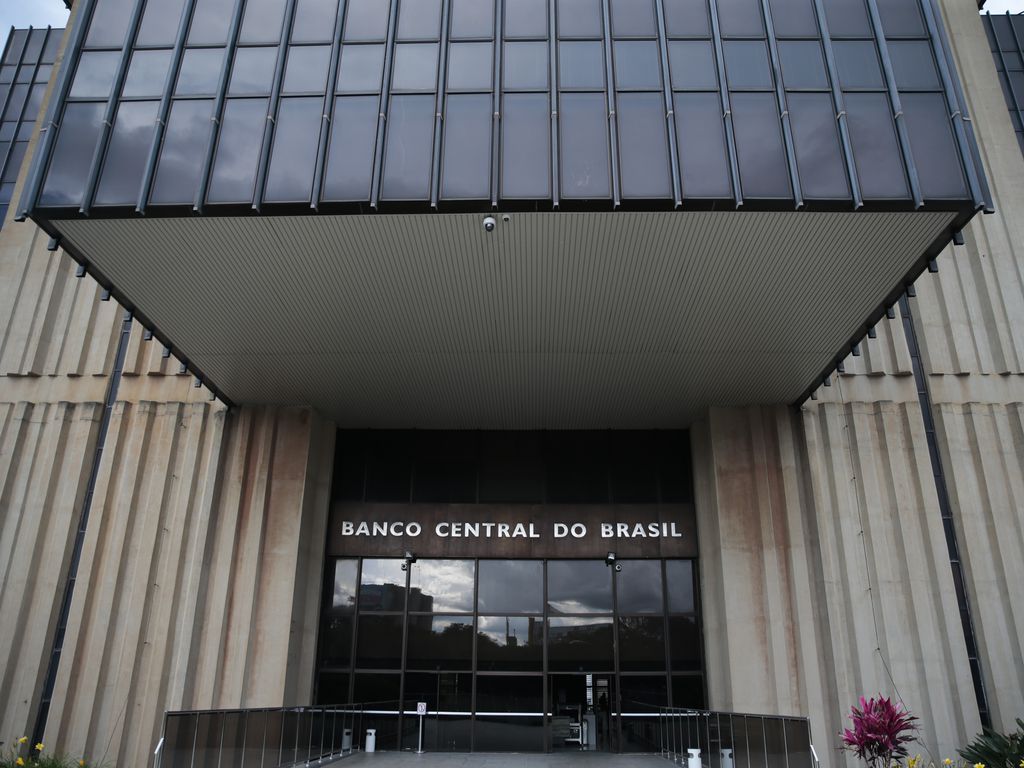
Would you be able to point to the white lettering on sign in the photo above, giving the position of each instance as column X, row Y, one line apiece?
column 456, row 529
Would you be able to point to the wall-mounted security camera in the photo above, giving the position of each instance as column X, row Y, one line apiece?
column 489, row 224
column 409, row 559
column 610, row 560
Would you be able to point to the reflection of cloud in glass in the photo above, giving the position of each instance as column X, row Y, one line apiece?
column 510, row 630
column 579, row 586
column 383, row 572
column 448, row 582
column 679, row 577
column 639, row 586
column 344, row 585
column 511, row 585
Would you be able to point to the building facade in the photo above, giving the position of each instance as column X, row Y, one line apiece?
column 525, row 358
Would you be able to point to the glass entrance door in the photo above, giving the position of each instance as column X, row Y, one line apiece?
column 581, row 712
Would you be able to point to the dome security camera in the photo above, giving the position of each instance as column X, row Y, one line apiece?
column 490, row 224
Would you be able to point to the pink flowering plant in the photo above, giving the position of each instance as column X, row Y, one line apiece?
column 881, row 730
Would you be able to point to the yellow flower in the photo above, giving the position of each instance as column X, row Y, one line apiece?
column 23, row 739
column 979, row 765
column 912, row 762
column 82, row 762
column 19, row 761
column 40, row 748
column 947, row 761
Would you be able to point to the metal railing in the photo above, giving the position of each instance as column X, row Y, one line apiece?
column 260, row 738
column 701, row 739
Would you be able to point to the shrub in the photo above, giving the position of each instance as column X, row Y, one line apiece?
column 997, row 750
column 881, row 730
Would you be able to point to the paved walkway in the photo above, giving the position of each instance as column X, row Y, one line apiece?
column 500, row 760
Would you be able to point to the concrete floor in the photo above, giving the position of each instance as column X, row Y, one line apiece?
column 500, row 760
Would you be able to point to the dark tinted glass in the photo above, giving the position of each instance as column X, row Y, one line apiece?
column 314, row 21
column 687, row 18
column 13, row 166
column 366, row 19
column 469, row 66
column 380, row 689
column 109, row 23
column 147, row 73
column 336, row 641
column 679, row 578
column 382, row 585
column 306, row 70
column 160, row 22
column 466, row 158
column 343, row 597
column 331, row 688
column 200, row 71
column 847, row 18
column 525, row 65
column 262, row 21
column 238, row 148
column 415, row 67
column 818, row 153
column 95, row 75
column 692, row 64
column 510, row 642
column 740, row 18
column 350, row 158
column 876, row 151
column 637, row 64
column 15, row 102
column 638, row 587
column 901, row 17
column 360, row 68
column 579, row 18
column 526, row 18
column 419, row 19
column 643, row 146
column 633, row 467
column 803, row 65
column 762, row 158
column 688, row 692
column 684, row 643
column 932, row 144
column 210, row 21
column 633, row 18
column 409, row 148
column 511, row 586
column 126, row 153
column 511, row 466
column 576, row 464
column 913, row 65
column 583, row 123
column 253, row 71
column 177, row 174
column 580, row 644
column 579, row 586
column 794, row 18
column 508, row 694
column 700, row 136
column 857, row 62
column 472, row 18
column 72, row 155
column 581, row 64
column 641, row 643
column 440, row 642
column 389, row 472
column 746, row 64
column 441, row 585
column 380, row 642
column 293, row 157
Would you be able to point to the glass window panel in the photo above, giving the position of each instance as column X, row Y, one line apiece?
column 314, row 21
column 7, row 73
column 366, row 19
column 210, row 22
column 759, row 148
column 525, row 65
column 637, row 64
column 25, row 73
column 525, row 173
column 127, row 151
column 95, row 75
column 343, row 594
column 379, row 644
column 684, row 643
column 526, row 18
column 43, row 73
column 440, row 642
column 819, row 156
column 857, row 64
column 160, row 22
column 512, row 586
column 360, row 68
column 679, row 578
column 18, row 39
column 466, row 164
column 794, row 18
column 847, row 18
column 579, row 18
column 147, row 74
column 253, row 72
column 576, row 463
column 579, row 586
column 200, row 71
column 901, row 18
column 470, row 66
column 687, row 18
column 581, row 65
column 443, row 693
column 638, row 586
column 633, row 468
column 331, row 688
column 72, row 154
column 293, row 157
column 692, row 65
column 415, row 67
column 740, row 18
column 876, row 151
column 15, row 102
column 504, row 693
column 673, row 450
column 382, row 586
column 14, row 160
column 746, row 64
column 306, row 69
column 35, row 45
column 238, row 150
column 52, row 45
column 472, row 18
column 580, row 644
column 633, row 18
column 177, row 173
column 262, row 21
column 688, row 692
column 445, row 461
column 390, row 469
column 409, row 148
column 35, row 101
column 441, row 585
column 934, row 149
column 419, row 19
column 643, row 146
column 109, row 23
column 913, row 65
column 803, row 65
column 700, row 136
column 8, row 129
column 336, row 641
column 510, row 643
column 379, row 689
column 509, row 733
